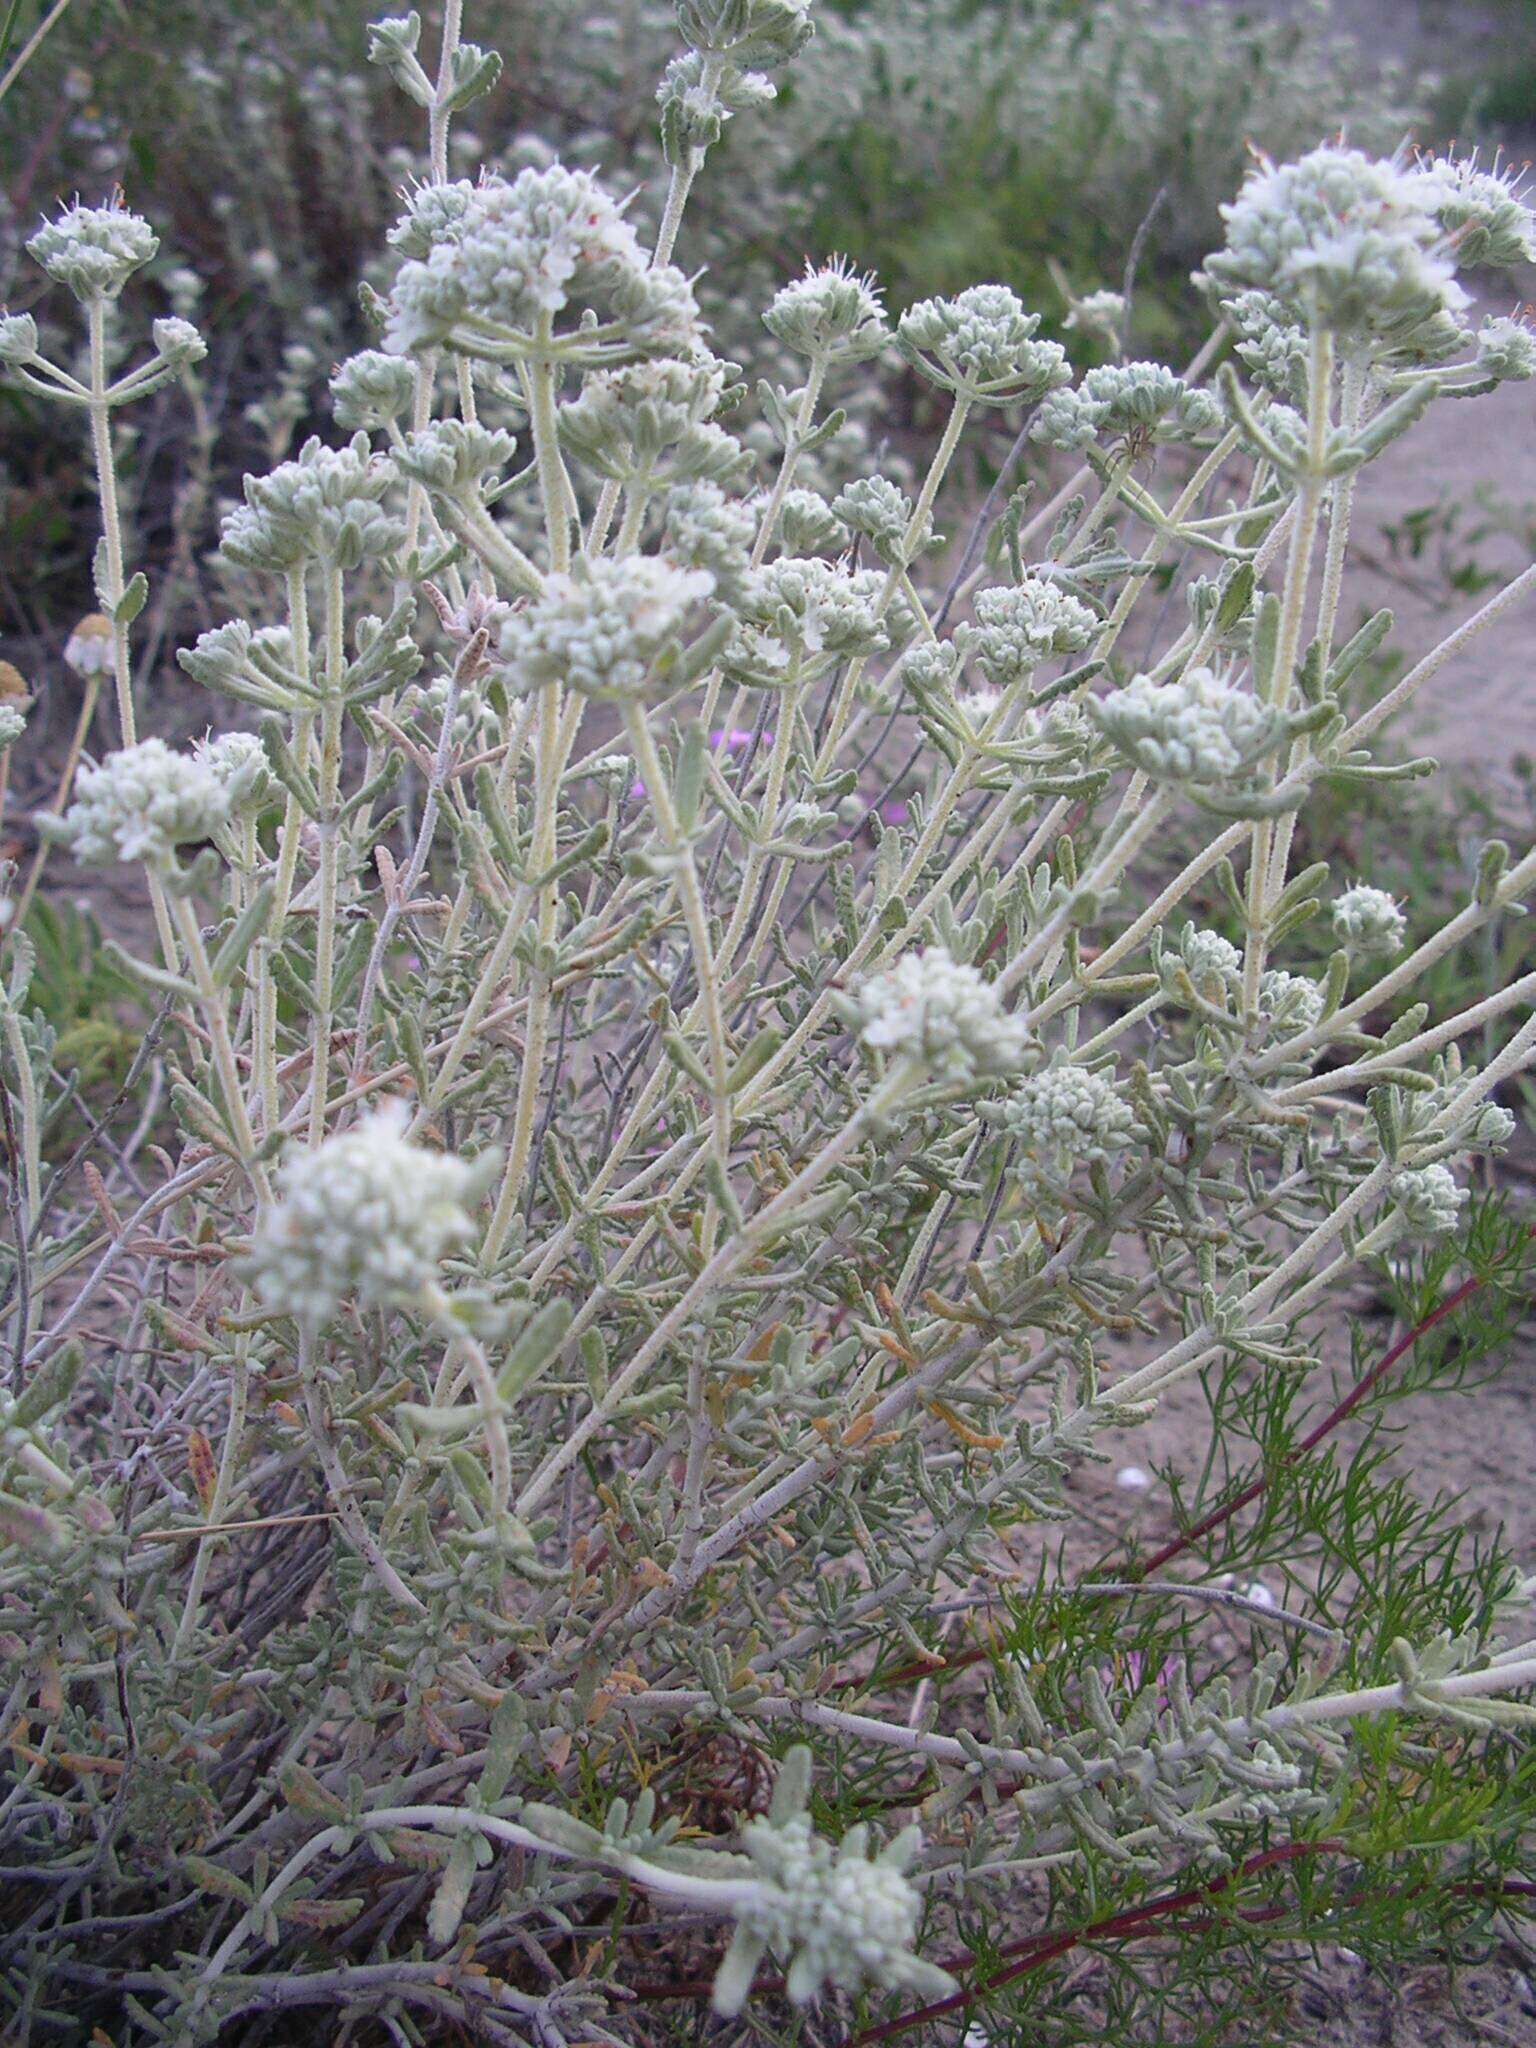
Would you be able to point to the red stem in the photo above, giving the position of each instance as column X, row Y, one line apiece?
column 1035, row 1950
column 1336, row 1415
column 1330, row 1422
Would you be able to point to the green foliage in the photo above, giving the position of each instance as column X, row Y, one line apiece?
column 1029, row 138
column 95, row 1008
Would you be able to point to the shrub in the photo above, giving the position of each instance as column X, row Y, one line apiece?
column 695, row 1104
column 880, row 146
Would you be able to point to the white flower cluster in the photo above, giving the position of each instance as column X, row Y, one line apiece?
column 881, row 512
column 1482, row 211
column 500, row 257
column 653, row 420
column 372, row 390
column 367, row 1213
column 1056, row 731
column 239, row 761
column 1067, row 1113
column 18, row 340
column 1506, row 349
column 1289, row 1001
column 1197, row 729
column 13, row 723
column 931, row 667
column 801, row 607
column 977, row 706
column 247, row 664
column 88, row 650
column 982, row 345
column 93, row 249
column 706, row 529
column 177, row 343
column 832, row 314
column 1429, row 1198
column 452, row 456
column 1270, row 343
column 1369, row 922
column 1018, row 626
column 1343, row 240
column 697, row 100
column 1099, row 312
column 141, row 804
column 809, row 526
column 1140, row 403
column 326, row 504
column 934, row 1010
column 837, row 1916
column 602, row 631
column 1208, row 956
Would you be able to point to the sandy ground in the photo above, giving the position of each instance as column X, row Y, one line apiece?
column 1480, row 711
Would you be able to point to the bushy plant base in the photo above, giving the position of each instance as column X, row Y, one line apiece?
column 686, row 1100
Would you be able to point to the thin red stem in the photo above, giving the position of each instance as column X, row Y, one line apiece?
column 1336, row 1415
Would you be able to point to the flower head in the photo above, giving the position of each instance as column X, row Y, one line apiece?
column 452, row 456
column 881, row 512
column 372, row 389
column 708, row 530
column 239, row 760
column 1213, row 963
column 983, row 345
column 366, row 1213
column 1100, row 312
column 93, row 249
column 837, row 1916
column 747, row 31
column 1019, row 626
column 505, row 256
column 177, row 342
column 602, row 632
column 1197, row 729
column 930, row 668
column 1289, row 1001
column 809, row 526
column 806, row 610
column 1067, row 1113
column 1369, row 922
column 1506, row 349
column 1342, row 241
column 88, row 650
column 652, row 419
column 141, row 804
column 1483, row 212
column 18, row 340
column 697, row 99
column 976, row 707
column 327, row 503
column 1430, row 1199
column 1270, row 343
column 831, row 314
column 1140, row 403
column 941, row 1014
